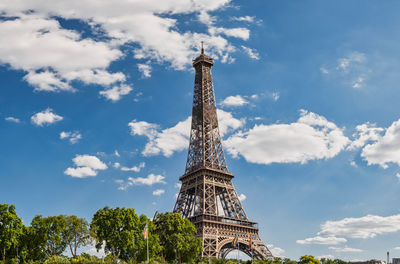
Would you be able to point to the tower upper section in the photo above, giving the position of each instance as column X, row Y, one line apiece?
column 205, row 148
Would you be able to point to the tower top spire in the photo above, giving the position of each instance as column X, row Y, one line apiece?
column 202, row 47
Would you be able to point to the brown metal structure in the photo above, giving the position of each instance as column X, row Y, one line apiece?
column 207, row 196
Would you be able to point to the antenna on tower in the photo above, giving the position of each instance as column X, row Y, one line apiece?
column 202, row 48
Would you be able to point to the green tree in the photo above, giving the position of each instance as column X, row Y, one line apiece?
column 289, row 261
column 138, row 252
column 308, row 259
column 76, row 233
column 115, row 228
column 327, row 261
column 339, row 261
column 48, row 234
column 11, row 229
column 177, row 237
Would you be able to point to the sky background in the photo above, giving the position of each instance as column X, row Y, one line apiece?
column 95, row 106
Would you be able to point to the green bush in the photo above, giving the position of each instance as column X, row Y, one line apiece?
column 57, row 260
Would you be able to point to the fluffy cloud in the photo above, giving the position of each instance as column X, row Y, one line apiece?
column 363, row 227
column 242, row 197
column 325, row 257
column 158, row 192
column 54, row 56
column 311, row 137
column 331, row 240
column 236, row 100
column 176, row 138
column 397, row 248
column 251, row 52
column 114, row 94
column 145, row 69
column 365, row 133
column 51, row 55
column 276, row 251
column 244, row 18
column 12, row 119
column 242, row 33
column 45, row 117
column 134, row 168
column 149, row 181
column 87, row 165
column 346, row 249
column 386, row 148
column 73, row 137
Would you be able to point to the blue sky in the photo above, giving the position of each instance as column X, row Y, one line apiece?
column 95, row 103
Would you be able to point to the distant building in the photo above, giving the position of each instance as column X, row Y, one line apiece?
column 395, row 260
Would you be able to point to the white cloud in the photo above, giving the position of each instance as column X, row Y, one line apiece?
column 176, row 138
column 116, row 153
column 352, row 58
column 363, row 227
column 386, row 148
column 397, row 248
column 87, row 165
column 311, row 137
column 251, row 52
column 73, row 137
column 93, row 251
column 236, row 100
column 365, row 133
column 47, row 81
column 346, row 249
column 89, row 161
column 54, row 56
column 12, row 119
column 324, row 70
column 244, row 18
column 275, row 96
column 116, row 165
column 80, row 172
column 227, row 123
column 242, row 197
column 242, row 33
column 276, row 251
column 45, row 117
column 145, row 69
column 115, row 94
column 149, row 181
column 158, row 192
column 178, row 185
column 134, row 168
column 358, row 82
column 325, row 257
column 319, row 240
column 353, row 163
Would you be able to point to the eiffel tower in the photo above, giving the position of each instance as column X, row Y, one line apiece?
column 207, row 196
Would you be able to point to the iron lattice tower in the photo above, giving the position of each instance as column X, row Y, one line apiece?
column 207, row 196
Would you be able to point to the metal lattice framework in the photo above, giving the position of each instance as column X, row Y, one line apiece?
column 207, row 196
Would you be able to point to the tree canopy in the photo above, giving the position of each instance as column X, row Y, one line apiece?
column 10, row 229
column 177, row 237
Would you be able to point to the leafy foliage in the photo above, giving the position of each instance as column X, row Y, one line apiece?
column 177, row 237
column 10, row 229
column 76, row 233
column 49, row 234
